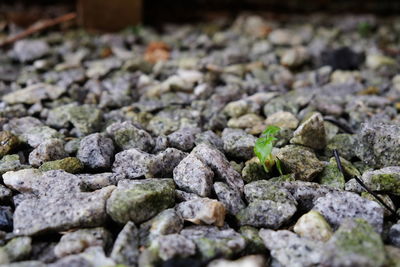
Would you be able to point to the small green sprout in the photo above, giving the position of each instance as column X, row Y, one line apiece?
column 263, row 149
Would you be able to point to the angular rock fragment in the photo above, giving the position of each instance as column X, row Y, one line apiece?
column 238, row 144
column 194, row 176
column 267, row 190
column 183, row 139
column 139, row 200
column 51, row 149
column 311, row 133
column 69, row 164
column 283, row 119
column 165, row 162
column 34, row 93
column 175, row 245
column 384, row 180
column 313, row 226
column 28, row 50
column 132, row 163
column 229, row 197
column 96, row 151
column 126, row 246
column 8, row 142
column 202, row 211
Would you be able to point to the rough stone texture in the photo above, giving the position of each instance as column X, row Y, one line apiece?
column 96, row 151
column 210, row 138
column 288, row 249
column 175, row 245
column 8, row 142
column 266, row 213
column 91, row 257
column 202, row 211
column 183, row 139
column 254, row 243
column 229, row 197
column 34, row 216
column 127, row 136
column 300, row 161
column 126, row 246
column 344, row 143
column 220, row 165
column 52, row 149
column 267, row 190
column 379, row 144
column 37, row 135
column 313, row 225
column 78, row 241
column 283, row 119
column 253, row 171
column 385, row 180
column 331, row 176
column 194, row 176
column 212, row 241
column 132, row 163
column 355, row 243
column 311, row 133
column 138, row 201
column 69, row 164
column 394, row 234
column 34, row 93
column 91, row 182
column 17, row 249
column 336, row 207
column 28, row 50
column 238, row 144
column 252, row 260
column 165, row 162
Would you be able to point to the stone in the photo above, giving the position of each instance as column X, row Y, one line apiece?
column 139, row 200
column 344, row 144
column 251, row 260
column 379, row 144
column 165, row 162
column 355, row 243
column 295, row 57
column 6, row 219
column 331, row 176
column 289, row 249
column 219, row 164
column 266, row 213
column 18, row 248
column 336, row 207
column 253, row 171
column 49, row 150
column 34, row 93
column 375, row 61
column 5, row 194
column 53, row 214
column 210, row 138
column 394, row 234
column 194, row 176
column 254, row 243
column 386, row 199
column 313, row 225
column 202, row 211
column 247, row 121
column 8, row 142
column 18, row 126
column 267, row 190
column 229, row 197
column 91, row 257
column 311, row 133
column 28, row 50
column 175, row 245
column 282, row 119
column 96, row 151
column 238, row 144
column 79, row 240
column 384, row 180
column 393, row 256
column 37, row 135
column 69, row 164
column 92, row 182
column 300, row 161
column 212, row 241
column 126, row 136
column 126, row 246
column 132, row 163
column 236, row 109
column 11, row 163
column 183, row 139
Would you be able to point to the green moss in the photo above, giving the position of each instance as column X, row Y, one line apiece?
column 253, row 171
column 209, row 248
column 70, row 164
column 254, row 243
column 8, row 142
column 283, row 178
column 331, row 176
column 11, row 163
column 387, row 182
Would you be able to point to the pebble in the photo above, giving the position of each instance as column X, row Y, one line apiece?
column 96, row 151
column 229, row 197
column 282, row 119
column 126, row 246
column 202, row 211
column 313, row 225
column 238, row 144
column 28, row 50
column 311, row 133
column 49, row 150
column 8, row 142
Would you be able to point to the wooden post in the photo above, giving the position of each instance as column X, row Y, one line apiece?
column 109, row 15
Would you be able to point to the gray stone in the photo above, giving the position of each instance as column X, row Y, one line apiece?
column 344, row 143
column 288, row 249
column 220, row 165
column 238, row 144
column 300, row 161
column 37, row 135
column 185, row 196
column 194, row 176
column 355, row 243
column 51, row 149
column 132, row 163
column 336, row 207
column 18, row 248
column 212, row 241
column 266, row 213
column 311, row 133
column 282, row 119
column 175, row 245
column 394, row 234
column 251, row 260
column 139, row 200
column 34, row 93
column 379, row 144
column 18, row 126
column 183, row 139
column 202, row 211
column 210, row 138
column 96, row 151
column 165, row 162
column 28, row 50
column 91, row 257
column 91, row 182
column 384, row 180
column 313, row 225
column 126, row 247
column 267, row 190
column 127, row 136
column 231, row 198
column 79, row 240
column 5, row 194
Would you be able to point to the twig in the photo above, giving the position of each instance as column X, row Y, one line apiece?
column 38, row 27
column 340, row 167
column 341, row 125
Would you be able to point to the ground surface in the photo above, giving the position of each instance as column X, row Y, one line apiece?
column 137, row 148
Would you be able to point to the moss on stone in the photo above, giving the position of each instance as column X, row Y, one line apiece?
column 70, row 164
column 8, row 142
column 387, row 182
column 254, row 243
column 331, row 176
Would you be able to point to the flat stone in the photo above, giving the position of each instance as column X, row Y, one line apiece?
column 96, row 151
column 220, row 165
column 313, row 225
column 336, row 207
column 300, row 161
column 238, row 144
column 34, row 93
column 229, row 197
column 139, row 200
column 282, row 119
column 49, row 150
column 69, row 164
column 126, row 246
column 202, row 211
column 311, row 133
column 194, row 176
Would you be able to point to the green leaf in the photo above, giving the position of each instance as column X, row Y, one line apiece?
column 271, row 131
column 278, row 166
column 264, row 145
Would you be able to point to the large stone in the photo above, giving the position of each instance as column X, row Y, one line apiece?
column 300, row 161
column 192, row 175
column 336, row 207
column 311, row 133
column 238, row 144
column 202, row 211
column 96, row 151
column 139, row 200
